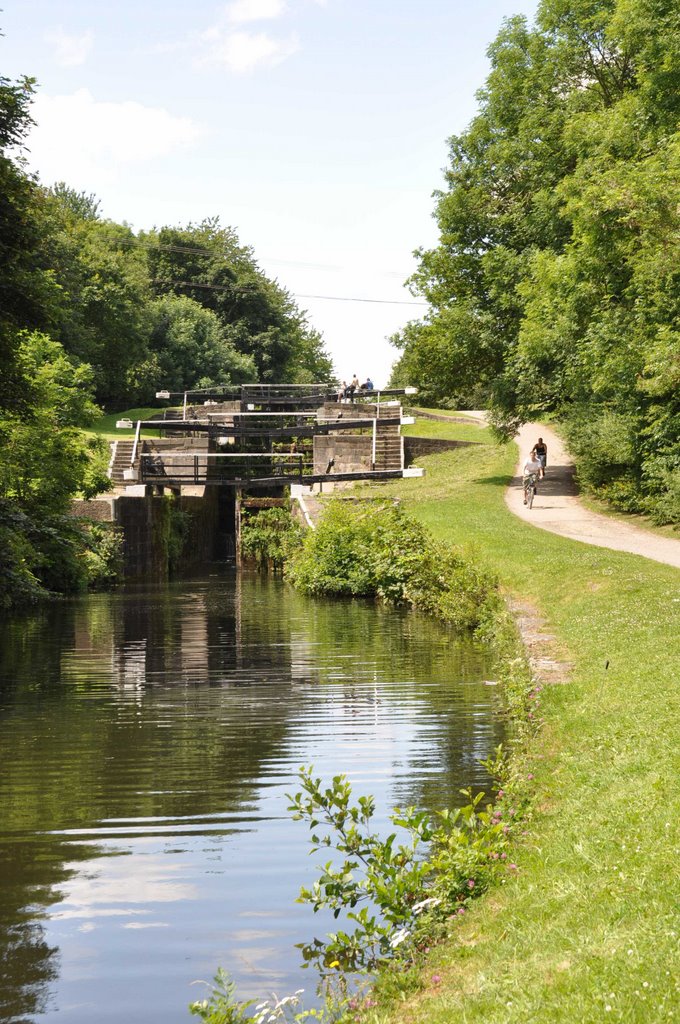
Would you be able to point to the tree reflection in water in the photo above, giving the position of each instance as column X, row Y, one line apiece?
column 147, row 740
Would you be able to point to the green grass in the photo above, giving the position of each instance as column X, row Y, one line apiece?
column 106, row 426
column 454, row 431
column 589, row 927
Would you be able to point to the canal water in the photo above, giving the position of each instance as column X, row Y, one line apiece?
column 148, row 739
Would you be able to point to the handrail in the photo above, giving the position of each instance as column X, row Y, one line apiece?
column 136, row 444
column 219, row 455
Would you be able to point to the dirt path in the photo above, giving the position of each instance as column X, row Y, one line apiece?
column 558, row 509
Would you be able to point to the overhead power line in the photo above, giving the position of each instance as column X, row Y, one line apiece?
column 351, row 298
column 195, row 250
column 297, row 295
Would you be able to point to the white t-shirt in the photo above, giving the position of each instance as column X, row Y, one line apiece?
column 530, row 466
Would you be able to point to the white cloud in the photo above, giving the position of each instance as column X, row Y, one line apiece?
column 70, row 50
column 243, row 51
column 78, row 139
column 241, row 11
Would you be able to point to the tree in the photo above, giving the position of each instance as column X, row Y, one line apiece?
column 192, row 349
column 102, row 316
column 25, row 290
column 554, row 287
column 45, row 458
column 207, row 263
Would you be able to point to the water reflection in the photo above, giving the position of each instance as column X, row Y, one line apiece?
column 147, row 741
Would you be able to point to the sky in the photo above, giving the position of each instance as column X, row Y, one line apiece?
column 317, row 129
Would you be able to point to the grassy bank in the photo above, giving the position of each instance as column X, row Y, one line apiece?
column 105, row 426
column 588, row 928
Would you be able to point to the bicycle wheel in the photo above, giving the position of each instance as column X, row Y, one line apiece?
column 531, row 495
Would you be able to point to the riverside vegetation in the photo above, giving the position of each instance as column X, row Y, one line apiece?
column 584, row 926
column 587, row 927
column 400, row 894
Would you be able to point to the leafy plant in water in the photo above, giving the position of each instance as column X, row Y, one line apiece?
column 269, row 536
column 222, row 1007
column 374, row 549
column 395, row 894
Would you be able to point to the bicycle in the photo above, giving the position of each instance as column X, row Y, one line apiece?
column 529, row 483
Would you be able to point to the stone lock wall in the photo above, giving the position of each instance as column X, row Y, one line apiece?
column 145, row 522
column 351, row 452
column 417, row 447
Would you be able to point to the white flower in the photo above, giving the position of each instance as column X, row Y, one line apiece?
column 432, row 901
column 399, row 937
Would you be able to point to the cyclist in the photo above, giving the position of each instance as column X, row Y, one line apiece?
column 541, row 453
column 530, row 471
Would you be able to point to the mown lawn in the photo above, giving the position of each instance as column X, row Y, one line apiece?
column 106, row 426
column 588, row 929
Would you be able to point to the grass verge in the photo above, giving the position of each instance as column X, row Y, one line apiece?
column 106, row 426
column 588, row 927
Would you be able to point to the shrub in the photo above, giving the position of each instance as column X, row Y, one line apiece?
column 603, row 446
column 269, row 535
column 396, row 896
column 374, row 549
column 102, row 555
column 663, row 499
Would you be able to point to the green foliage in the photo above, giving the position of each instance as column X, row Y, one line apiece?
column 102, row 316
column 187, row 339
column 42, row 554
column 45, row 457
column 398, row 895
column 206, row 263
column 555, row 285
column 269, row 536
column 375, row 549
column 26, row 289
column 102, row 555
column 223, row 1007
column 18, row 582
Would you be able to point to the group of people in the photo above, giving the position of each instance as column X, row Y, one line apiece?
column 534, row 466
column 347, row 391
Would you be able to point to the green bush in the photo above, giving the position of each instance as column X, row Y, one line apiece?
column 663, row 498
column 41, row 557
column 606, row 447
column 407, row 887
column 269, row 536
column 102, row 555
column 18, row 582
column 603, row 446
column 374, row 549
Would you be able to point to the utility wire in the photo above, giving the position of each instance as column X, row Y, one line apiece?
column 210, row 252
column 244, row 290
column 351, row 298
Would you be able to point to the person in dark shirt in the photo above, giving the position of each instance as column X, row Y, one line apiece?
column 541, row 453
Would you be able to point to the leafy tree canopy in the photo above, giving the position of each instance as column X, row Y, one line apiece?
column 555, row 285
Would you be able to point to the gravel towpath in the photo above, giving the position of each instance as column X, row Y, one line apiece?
column 557, row 507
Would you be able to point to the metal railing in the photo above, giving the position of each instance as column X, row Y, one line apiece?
column 215, row 468
column 135, row 446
